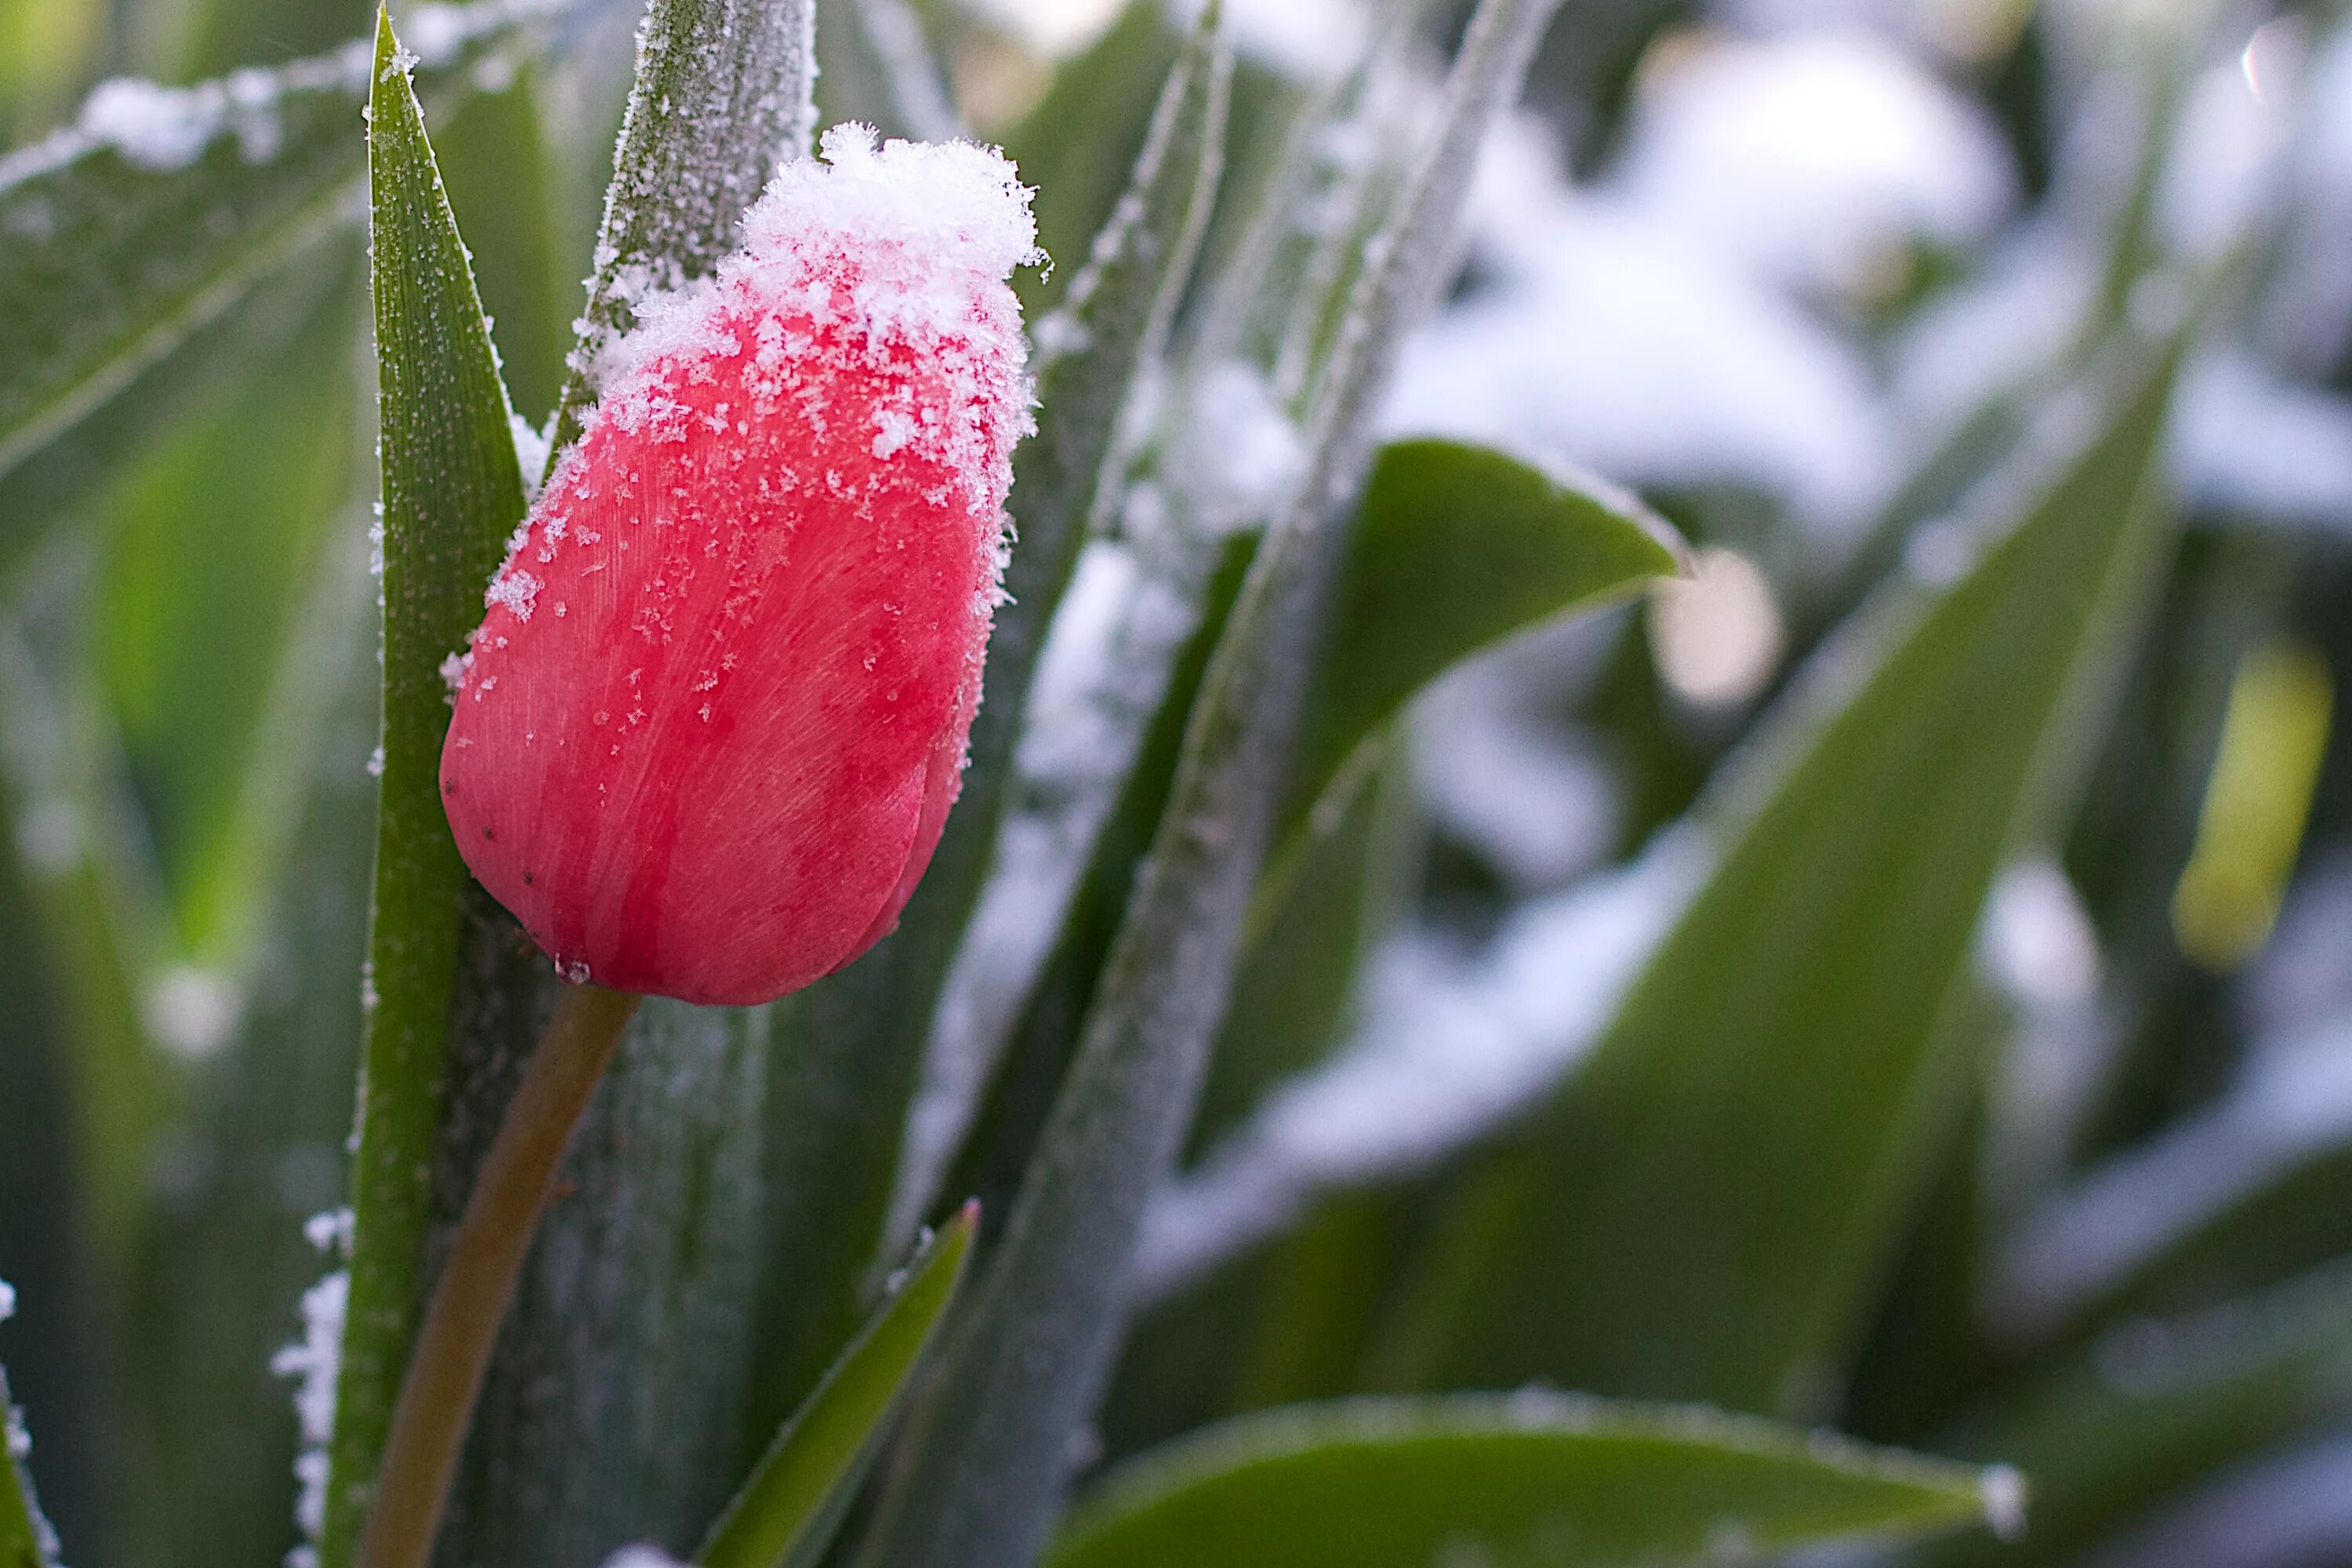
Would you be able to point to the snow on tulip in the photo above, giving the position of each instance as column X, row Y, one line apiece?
column 708, row 734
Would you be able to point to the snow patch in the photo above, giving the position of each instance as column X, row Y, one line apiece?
column 316, row 1361
column 1450, row 1047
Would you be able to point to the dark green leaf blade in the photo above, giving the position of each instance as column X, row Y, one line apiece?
column 787, row 1513
column 156, row 212
column 452, row 494
column 1531, row 1480
column 1753, row 1122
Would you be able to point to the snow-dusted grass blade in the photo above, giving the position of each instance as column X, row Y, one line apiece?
column 1535, row 1477
column 1754, row 1125
column 2152, row 1403
column 723, row 91
column 859, row 1036
column 788, row 1512
column 452, row 493
column 161, row 206
column 25, row 1539
column 983, row 1481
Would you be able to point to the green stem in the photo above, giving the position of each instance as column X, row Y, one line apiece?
column 477, row 1282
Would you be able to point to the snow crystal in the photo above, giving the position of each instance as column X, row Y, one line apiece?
column 1450, row 1047
column 516, row 589
column 330, row 1230
column 531, row 446
column 316, row 1361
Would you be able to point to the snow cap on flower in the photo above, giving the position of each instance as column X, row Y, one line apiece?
column 708, row 733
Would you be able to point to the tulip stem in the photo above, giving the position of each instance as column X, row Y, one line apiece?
column 478, row 1280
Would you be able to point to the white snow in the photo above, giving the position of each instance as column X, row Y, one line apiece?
column 2247, row 441
column 8, row 1300
column 2037, row 942
column 1450, row 1046
column 1610, row 336
column 927, row 230
column 1494, row 766
column 2293, row 1102
column 192, row 1011
column 641, row 1556
column 315, row 1360
column 1809, row 159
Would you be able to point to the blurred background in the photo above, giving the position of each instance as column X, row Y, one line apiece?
column 1794, row 270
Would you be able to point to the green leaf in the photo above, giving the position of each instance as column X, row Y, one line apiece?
column 723, row 90
column 1454, row 547
column 986, row 1471
column 211, row 575
column 25, row 1539
column 162, row 207
column 1529, row 1480
column 788, row 1512
column 860, row 1036
column 2154, row 1404
column 1745, row 1142
column 452, row 494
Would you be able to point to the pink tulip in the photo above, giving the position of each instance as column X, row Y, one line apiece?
column 708, row 734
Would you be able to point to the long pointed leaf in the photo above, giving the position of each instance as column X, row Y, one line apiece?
column 162, row 206
column 788, row 1512
column 1534, row 1479
column 982, row 1486
column 1749, row 1130
column 452, row 493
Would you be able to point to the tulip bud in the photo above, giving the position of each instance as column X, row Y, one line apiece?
column 708, row 734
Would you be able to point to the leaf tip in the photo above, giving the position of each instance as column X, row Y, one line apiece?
column 2001, row 1491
